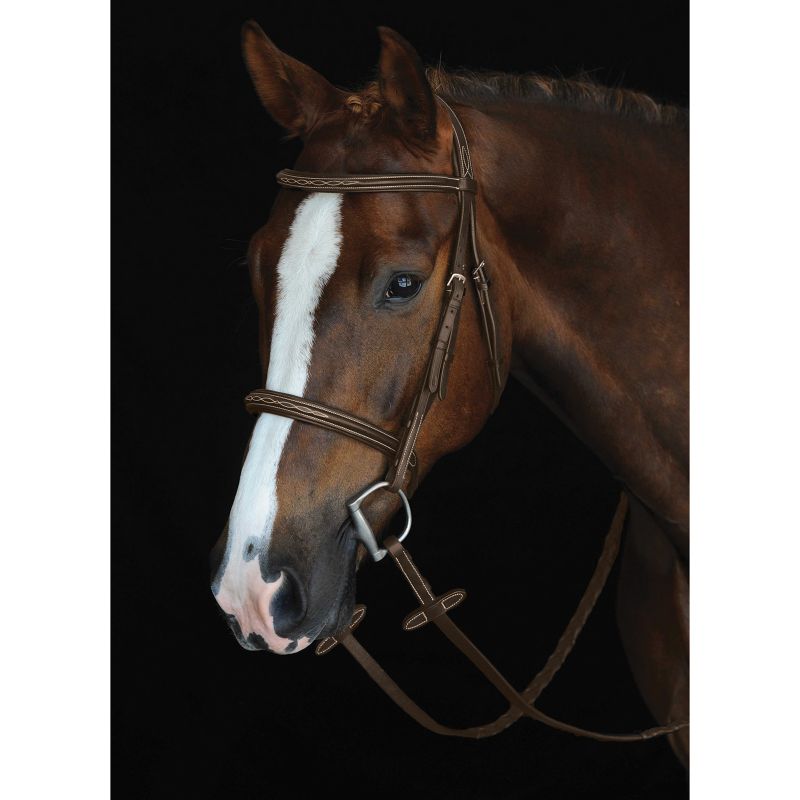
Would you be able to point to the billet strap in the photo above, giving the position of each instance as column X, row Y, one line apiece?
column 463, row 166
column 520, row 704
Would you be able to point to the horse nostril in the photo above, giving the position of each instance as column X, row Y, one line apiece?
column 289, row 605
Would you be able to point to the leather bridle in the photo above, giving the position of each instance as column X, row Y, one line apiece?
column 465, row 263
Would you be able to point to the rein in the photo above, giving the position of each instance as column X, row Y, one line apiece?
column 465, row 261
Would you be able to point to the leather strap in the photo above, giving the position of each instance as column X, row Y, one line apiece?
column 520, row 704
column 327, row 644
column 464, row 167
column 429, row 611
column 262, row 401
column 436, row 374
column 389, row 182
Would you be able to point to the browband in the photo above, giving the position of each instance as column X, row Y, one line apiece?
column 400, row 182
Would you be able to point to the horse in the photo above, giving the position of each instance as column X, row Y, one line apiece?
column 582, row 219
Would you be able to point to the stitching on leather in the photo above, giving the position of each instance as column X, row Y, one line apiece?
column 274, row 401
column 291, row 174
column 344, row 186
column 409, row 444
column 359, row 615
column 269, row 397
column 329, row 423
column 408, row 577
column 408, row 187
column 457, row 597
column 413, row 442
column 467, row 160
column 409, row 626
column 328, row 644
column 362, row 437
column 349, row 431
column 421, row 579
column 370, row 182
column 388, row 444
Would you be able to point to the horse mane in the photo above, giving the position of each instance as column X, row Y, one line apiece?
column 489, row 87
column 582, row 92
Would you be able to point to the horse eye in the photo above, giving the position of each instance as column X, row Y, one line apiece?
column 402, row 287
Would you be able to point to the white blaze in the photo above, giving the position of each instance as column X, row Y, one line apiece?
column 306, row 264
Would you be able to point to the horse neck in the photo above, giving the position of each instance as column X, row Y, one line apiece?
column 584, row 220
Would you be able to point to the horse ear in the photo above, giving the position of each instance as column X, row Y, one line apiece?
column 294, row 94
column 403, row 85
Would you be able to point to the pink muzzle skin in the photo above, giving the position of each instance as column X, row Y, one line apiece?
column 244, row 594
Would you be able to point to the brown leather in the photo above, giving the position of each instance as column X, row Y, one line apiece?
column 262, row 401
column 519, row 704
column 400, row 182
column 489, row 325
column 428, row 612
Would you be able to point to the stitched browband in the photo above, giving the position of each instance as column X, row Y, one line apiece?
column 401, row 182
column 263, row 401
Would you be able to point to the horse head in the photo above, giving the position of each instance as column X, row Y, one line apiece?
column 349, row 290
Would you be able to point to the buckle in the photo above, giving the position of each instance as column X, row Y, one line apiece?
column 456, row 275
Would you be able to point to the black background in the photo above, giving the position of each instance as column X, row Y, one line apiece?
column 195, row 715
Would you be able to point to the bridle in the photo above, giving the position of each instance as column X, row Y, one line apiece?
column 403, row 466
column 400, row 448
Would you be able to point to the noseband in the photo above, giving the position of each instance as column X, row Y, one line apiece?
column 465, row 263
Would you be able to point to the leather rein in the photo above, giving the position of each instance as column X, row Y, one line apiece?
column 399, row 447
